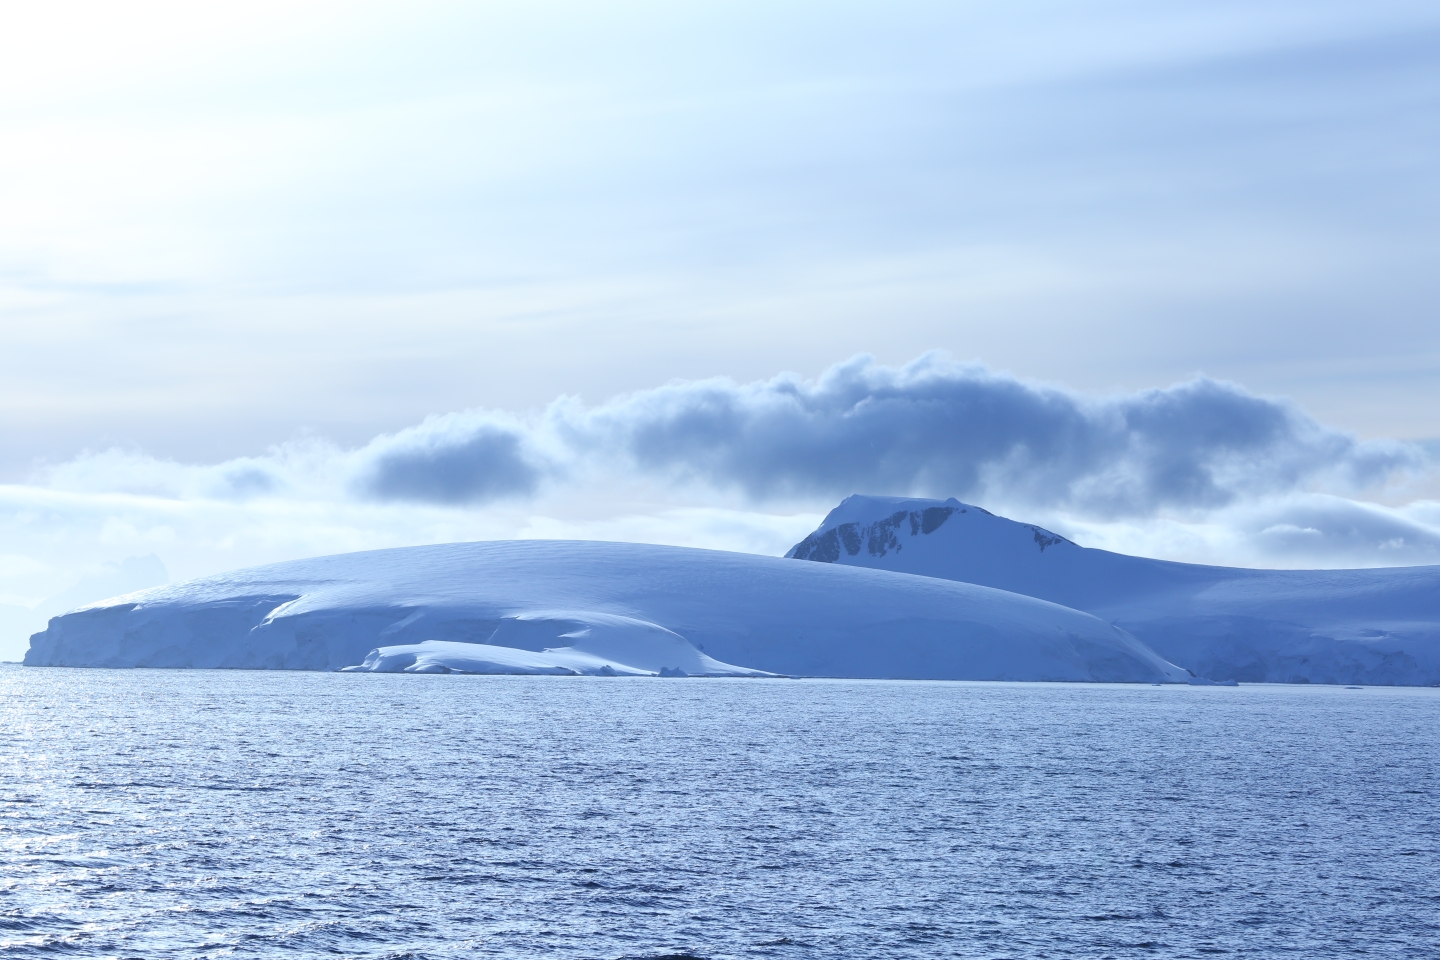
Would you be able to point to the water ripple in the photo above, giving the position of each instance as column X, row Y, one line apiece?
column 162, row 814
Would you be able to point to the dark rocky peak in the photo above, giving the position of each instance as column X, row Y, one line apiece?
column 880, row 536
column 877, row 538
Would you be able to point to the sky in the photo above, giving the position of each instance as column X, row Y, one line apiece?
column 282, row 279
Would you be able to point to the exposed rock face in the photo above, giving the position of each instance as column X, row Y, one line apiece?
column 888, row 534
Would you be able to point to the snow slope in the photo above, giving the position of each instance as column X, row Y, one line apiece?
column 1318, row 626
column 587, row 607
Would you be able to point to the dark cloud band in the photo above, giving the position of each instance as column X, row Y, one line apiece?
column 940, row 428
column 932, row 427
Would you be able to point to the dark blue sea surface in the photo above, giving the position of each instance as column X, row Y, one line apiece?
column 166, row 814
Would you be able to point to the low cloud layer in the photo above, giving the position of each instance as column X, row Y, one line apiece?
column 933, row 427
column 1324, row 531
column 1296, row 530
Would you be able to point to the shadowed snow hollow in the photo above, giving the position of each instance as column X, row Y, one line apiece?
column 1224, row 623
column 595, row 608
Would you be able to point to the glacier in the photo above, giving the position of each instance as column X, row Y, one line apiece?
column 596, row 608
column 1369, row 626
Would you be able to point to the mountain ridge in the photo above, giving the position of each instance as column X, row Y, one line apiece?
column 1377, row 625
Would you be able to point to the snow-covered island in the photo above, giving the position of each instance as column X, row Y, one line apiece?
column 907, row 588
column 596, row 608
column 1377, row 626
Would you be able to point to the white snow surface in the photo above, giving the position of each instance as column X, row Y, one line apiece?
column 595, row 608
column 601, row 644
column 1379, row 626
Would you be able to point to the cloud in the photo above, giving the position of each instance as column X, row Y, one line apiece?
column 1295, row 530
column 932, row 427
column 453, row 459
column 942, row 428
column 1324, row 530
column 287, row 470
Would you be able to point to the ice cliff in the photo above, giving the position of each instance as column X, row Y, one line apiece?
column 595, row 608
column 1378, row 626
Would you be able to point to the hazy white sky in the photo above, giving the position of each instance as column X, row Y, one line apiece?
column 229, row 227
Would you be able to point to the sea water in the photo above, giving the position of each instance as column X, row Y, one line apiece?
column 165, row 814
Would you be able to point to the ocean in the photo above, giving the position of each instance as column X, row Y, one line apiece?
column 156, row 814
